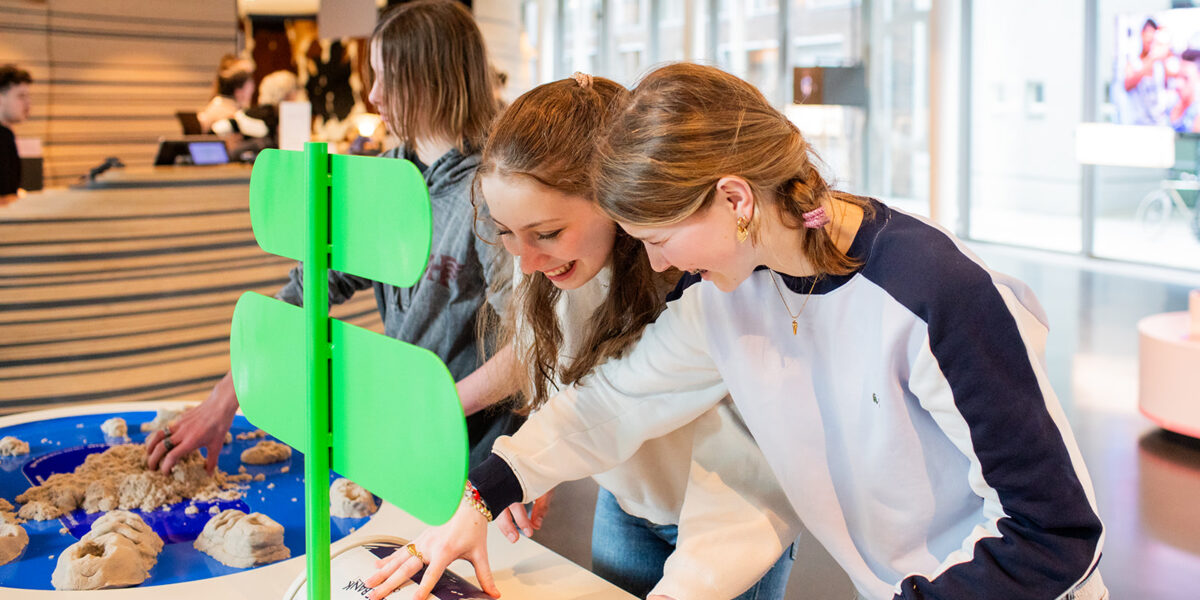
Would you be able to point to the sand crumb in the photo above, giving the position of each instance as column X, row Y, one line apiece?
column 257, row 434
column 11, row 446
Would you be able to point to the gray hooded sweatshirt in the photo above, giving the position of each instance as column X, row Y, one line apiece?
column 439, row 312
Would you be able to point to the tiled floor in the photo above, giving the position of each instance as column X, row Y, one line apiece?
column 1147, row 481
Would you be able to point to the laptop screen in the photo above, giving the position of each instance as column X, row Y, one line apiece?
column 208, row 153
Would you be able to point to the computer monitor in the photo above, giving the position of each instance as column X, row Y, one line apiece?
column 208, row 153
column 173, row 151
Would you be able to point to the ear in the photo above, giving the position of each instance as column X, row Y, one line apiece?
column 734, row 193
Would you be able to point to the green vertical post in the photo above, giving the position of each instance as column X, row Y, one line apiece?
column 316, row 314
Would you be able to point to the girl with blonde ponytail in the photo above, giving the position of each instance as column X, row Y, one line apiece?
column 895, row 384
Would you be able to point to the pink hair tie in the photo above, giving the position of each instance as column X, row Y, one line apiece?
column 815, row 219
column 583, row 79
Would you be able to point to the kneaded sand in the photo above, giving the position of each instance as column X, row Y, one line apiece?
column 119, row 551
column 266, row 452
column 237, row 539
column 11, row 446
column 163, row 418
column 349, row 500
column 13, row 537
column 118, row 479
column 115, row 428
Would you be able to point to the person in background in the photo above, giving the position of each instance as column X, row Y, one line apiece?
column 1146, row 77
column 235, row 91
column 433, row 89
column 499, row 82
column 15, row 104
column 252, row 129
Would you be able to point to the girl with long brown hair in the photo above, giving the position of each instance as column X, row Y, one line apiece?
column 433, row 88
column 895, row 384
column 582, row 294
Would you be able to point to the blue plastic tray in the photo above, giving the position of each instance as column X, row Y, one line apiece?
column 60, row 445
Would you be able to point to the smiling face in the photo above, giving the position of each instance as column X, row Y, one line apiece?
column 704, row 243
column 562, row 236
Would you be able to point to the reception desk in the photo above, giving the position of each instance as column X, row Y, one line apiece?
column 169, row 176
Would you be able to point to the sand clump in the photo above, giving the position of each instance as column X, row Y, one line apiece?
column 13, row 537
column 163, row 418
column 119, row 551
column 349, row 500
column 257, row 434
column 118, row 479
column 237, row 539
column 11, row 446
column 115, row 428
column 266, row 452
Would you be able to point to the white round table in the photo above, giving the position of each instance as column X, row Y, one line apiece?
column 525, row 569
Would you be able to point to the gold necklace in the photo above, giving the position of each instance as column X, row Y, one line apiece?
column 795, row 326
column 815, row 277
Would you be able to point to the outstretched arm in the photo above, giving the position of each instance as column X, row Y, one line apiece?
column 204, row 426
column 490, row 383
column 664, row 382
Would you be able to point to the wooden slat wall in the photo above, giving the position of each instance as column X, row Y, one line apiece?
column 127, row 294
column 109, row 76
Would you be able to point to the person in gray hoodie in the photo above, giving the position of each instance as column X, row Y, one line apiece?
column 433, row 89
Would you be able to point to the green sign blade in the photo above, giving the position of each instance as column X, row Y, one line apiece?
column 398, row 427
column 278, row 196
column 266, row 349
column 381, row 222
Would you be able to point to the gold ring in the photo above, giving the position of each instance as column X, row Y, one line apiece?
column 412, row 549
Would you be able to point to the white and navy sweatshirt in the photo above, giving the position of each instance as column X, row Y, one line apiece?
column 909, row 420
column 707, row 477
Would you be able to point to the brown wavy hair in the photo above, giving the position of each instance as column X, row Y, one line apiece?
column 549, row 134
column 688, row 125
column 436, row 74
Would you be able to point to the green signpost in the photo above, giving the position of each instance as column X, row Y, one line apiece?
column 379, row 411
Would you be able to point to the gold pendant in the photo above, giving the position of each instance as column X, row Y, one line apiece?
column 793, row 327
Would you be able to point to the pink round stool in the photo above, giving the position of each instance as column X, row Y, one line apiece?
column 1169, row 373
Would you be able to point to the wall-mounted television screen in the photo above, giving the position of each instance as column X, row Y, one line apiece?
column 1156, row 78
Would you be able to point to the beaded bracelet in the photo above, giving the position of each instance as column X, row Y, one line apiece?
column 471, row 495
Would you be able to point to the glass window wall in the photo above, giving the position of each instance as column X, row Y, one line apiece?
column 1034, row 72
column 1026, row 101
column 1148, row 214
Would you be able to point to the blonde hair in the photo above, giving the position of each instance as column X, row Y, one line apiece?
column 688, row 125
column 437, row 82
column 277, row 86
column 549, row 135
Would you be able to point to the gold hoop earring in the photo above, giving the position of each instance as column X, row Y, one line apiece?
column 743, row 229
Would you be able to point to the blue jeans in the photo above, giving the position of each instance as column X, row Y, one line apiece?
column 629, row 552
